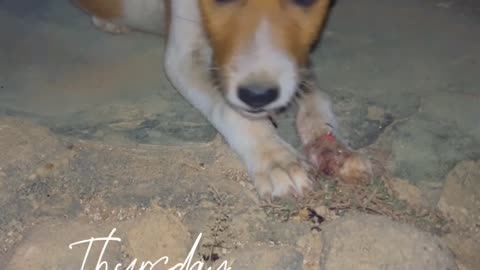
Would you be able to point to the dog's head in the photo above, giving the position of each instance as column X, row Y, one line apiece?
column 261, row 48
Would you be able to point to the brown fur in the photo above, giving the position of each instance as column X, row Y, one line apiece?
column 104, row 9
column 230, row 26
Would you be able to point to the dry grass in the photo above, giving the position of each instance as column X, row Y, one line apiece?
column 339, row 198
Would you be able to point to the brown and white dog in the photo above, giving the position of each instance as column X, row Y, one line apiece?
column 239, row 61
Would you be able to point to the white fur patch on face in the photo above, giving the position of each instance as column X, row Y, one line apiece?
column 263, row 62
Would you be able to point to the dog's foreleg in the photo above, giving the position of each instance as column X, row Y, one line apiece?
column 271, row 162
column 124, row 16
column 324, row 147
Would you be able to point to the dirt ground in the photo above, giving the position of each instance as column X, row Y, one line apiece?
column 93, row 137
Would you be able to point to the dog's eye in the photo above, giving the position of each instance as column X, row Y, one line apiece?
column 304, row 3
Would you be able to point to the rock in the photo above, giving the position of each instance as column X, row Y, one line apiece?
column 408, row 192
column 460, row 199
column 375, row 113
column 460, row 202
column 4, row 194
column 27, row 151
column 368, row 242
column 147, row 238
column 263, row 257
column 466, row 247
column 30, row 159
column 47, row 247
column 311, row 247
column 155, row 235
column 24, row 145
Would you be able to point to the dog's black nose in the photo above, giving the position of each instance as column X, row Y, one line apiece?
column 257, row 97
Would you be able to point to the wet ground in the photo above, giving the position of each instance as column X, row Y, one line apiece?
column 94, row 133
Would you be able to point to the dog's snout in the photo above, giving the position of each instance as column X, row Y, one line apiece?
column 257, row 96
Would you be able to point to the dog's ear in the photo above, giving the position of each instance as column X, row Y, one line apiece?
column 317, row 40
column 333, row 3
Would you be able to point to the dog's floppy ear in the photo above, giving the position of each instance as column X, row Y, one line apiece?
column 317, row 40
column 333, row 3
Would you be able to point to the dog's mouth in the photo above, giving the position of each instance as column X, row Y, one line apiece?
column 251, row 113
column 256, row 111
column 259, row 113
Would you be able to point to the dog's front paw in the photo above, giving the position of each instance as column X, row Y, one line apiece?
column 277, row 173
column 110, row 27
column 332, row 158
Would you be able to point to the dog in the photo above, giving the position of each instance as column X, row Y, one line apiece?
column 239, row 62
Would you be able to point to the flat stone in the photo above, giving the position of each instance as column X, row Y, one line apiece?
column 465, row 246
column 264, row 257
column 25, row 145
column 408, row 192
column 47, row 247
column 155, row 235
column 460, row 202
column 368, row 242
column 460, row 199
